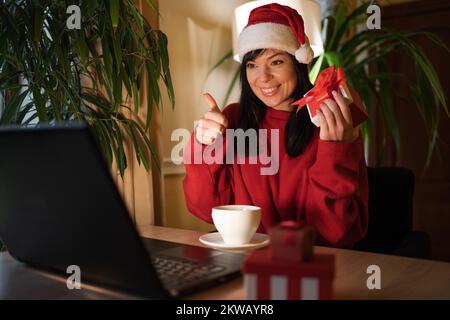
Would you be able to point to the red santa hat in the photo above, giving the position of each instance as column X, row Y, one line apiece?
column 274, row 26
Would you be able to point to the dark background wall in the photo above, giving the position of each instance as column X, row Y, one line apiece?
column 432, row 192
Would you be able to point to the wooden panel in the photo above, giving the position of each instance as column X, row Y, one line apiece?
column 431, row 200
column 177, row 215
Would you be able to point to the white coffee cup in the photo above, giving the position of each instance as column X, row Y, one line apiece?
column 236, row 223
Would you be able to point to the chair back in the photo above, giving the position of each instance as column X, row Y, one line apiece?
column 391, row 192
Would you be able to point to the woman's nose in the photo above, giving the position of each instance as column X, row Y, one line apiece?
column 265, row 74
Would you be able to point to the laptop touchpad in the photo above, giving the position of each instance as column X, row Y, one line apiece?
column 190, row 252
column 159, row 247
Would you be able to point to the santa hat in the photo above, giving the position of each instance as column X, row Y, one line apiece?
column 276, row 26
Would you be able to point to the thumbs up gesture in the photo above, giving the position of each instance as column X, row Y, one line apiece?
column 212, row 124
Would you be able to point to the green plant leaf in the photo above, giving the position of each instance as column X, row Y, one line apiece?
column 38, row 20
column 144, row 144
column 333, row 59
column 121, row 157
column 339, row 18
column 328, row 25
column 135, row 98
column 104, row 140
column 343, row 27
column 154, row 7
column 317, row 67
column 163, row 43
column 428, row 110
column 140, row 153
column 114, row 7
column 13, row 107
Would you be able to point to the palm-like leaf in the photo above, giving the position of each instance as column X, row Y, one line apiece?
column 49, row 73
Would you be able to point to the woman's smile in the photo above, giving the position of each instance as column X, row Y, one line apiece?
column 270, row 92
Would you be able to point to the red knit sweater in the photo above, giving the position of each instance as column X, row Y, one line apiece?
column 325, row 186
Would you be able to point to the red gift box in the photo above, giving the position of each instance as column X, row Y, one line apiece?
column 289, row 269
column 266, row 278
column 292, row 241
column 331, row 79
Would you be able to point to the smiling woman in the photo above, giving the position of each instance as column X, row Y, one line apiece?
column 322, row 176
column 278, row 81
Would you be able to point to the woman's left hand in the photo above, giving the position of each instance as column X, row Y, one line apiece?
column 336, row 120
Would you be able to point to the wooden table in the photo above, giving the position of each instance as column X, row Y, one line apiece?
column 401, row 278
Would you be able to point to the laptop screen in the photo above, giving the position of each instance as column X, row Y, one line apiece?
column 60, row 207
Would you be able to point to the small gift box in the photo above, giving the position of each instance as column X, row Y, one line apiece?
column 292, row 241
column 331, row 79
column 294, row 273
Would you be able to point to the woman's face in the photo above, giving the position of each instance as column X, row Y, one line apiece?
column 272, row 78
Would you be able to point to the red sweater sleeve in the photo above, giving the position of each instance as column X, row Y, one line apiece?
column 337, row 196
column 208, row 185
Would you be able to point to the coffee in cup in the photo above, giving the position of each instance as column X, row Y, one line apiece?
column 236, row 223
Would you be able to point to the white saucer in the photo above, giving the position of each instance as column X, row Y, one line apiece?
column 215, row 240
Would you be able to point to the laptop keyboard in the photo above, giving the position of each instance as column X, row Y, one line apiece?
column 177, row 273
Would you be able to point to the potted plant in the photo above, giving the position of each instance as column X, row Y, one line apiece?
column 362, row 52
column 50, row 72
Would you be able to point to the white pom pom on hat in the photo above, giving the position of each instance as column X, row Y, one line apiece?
column 304, row 54
column 274, row 26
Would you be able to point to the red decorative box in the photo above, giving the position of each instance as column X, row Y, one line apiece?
column 291, row 241
column 265, row 278
column 289, row 269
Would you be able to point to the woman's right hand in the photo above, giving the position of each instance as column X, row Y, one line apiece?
column 212, row 124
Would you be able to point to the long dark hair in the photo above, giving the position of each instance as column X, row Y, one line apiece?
column 299, row 128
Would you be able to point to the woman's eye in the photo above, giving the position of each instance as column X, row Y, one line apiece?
column 250, row 65
column 277, row 62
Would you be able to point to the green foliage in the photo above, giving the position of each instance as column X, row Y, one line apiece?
column 366, row 48
column 65, row 74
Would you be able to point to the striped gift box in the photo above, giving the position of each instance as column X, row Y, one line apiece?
column 276, row 279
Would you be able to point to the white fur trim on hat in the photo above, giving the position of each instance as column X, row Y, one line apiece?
column 270, row 35
column 304, row 54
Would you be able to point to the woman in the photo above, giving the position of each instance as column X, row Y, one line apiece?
column 322, row 177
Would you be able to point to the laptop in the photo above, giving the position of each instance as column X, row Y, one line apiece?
column 59, row 206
